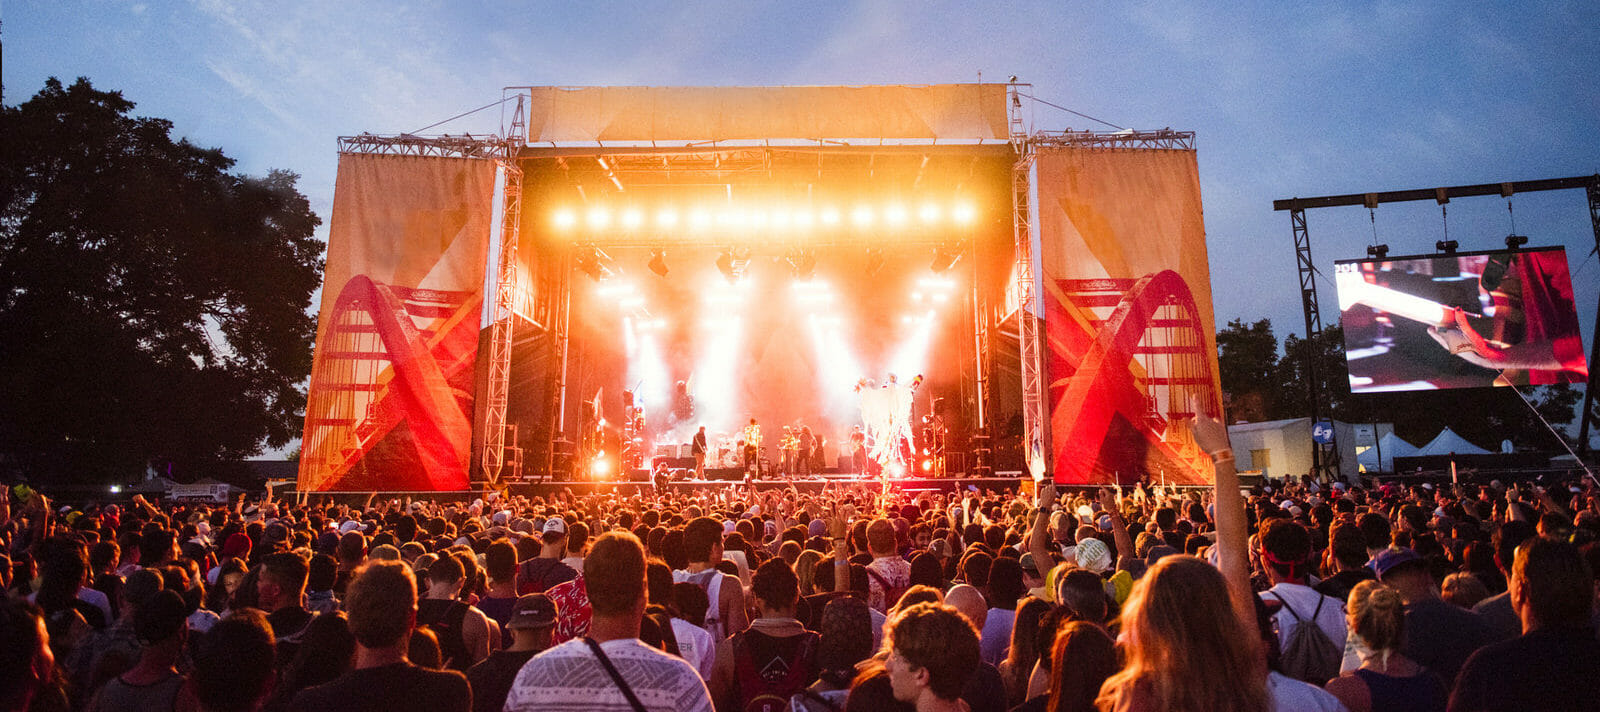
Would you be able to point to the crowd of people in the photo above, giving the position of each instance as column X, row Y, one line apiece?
column 1288, row 597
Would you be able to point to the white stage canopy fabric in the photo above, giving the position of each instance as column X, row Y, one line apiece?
column 1381, row 458
column 953, row 113
column 1447, row 442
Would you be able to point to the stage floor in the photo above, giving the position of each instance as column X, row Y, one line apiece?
column 912, row 484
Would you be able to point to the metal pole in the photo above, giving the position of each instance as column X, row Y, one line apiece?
column 1586, row 415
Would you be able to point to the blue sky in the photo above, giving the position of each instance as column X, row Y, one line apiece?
column 1287, row 98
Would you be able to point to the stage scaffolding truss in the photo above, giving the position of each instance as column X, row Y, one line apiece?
column 666, row 167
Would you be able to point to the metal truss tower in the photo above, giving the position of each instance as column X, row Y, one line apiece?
column 1034, row 421
column 495, row 428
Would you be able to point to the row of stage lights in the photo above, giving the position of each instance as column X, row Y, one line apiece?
column 1444, row 247
column 862, row 216
column 734, row 261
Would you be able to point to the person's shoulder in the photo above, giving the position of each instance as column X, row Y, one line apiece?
column 328, row 695
column 1499, row 600
column 1494, row 658
column 1290, row 694
column 442, row 681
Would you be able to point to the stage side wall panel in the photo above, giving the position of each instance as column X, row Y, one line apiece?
column 1130, row 338
column 392, row 386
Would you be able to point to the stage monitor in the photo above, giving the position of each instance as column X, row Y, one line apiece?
column 1462, row 320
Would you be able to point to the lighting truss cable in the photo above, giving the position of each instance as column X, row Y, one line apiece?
column 1553, row 432
column 1070, row 111
column 469, row 113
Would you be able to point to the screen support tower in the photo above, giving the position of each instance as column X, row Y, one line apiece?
column 1308, row 291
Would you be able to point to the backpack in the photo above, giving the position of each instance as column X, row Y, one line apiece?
column 1309, row 655
column 768, row 688
column 537, row 575
column 891, row 594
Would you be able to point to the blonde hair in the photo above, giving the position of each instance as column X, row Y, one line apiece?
column 1378, row 615
column 805, row 568
column 1182, row 638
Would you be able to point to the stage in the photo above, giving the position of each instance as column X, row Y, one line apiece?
column 786, row 269
column 813, row 485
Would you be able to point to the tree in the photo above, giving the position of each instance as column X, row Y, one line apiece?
column 1247, row 362
column 154, row 304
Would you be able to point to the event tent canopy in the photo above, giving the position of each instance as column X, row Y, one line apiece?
column 1381, row 458
column 1447, row 442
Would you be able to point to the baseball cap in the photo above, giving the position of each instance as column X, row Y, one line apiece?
column 1026, row 560
column 554, row 525
column 1092, row 554
column 534, row 610
column 1389, row 559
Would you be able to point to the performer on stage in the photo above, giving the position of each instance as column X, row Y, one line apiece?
column 698, row 449
column 858, row 452
column 805, row 447
column 752, row 447
column 788, row 451
column 661, row 476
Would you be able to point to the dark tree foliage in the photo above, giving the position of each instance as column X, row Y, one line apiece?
column 1248, row 364
column 153, row 305
column 1260, row 384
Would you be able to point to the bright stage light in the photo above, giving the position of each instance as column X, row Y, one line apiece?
column 803, row 219
column 862, row 216
column 829, row 216
column 700, row 219
column 929, row 213
column 896, row 215
column 599, row 218
column 632, row 219
column 964, row 213
column 565, row 219
column 716, row 369
column 667, row 218
column 615, row 289
column 600, row 466
column 927, row 465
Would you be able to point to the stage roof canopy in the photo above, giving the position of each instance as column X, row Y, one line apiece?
column 944, row 113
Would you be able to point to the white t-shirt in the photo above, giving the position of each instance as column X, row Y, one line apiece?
column 1304, row 601
column 570, row 677
column 696, row 645
column 1290, row 695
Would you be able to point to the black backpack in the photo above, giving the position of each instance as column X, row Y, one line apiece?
column 1309, row 655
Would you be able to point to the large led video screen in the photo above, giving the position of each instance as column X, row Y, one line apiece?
column 1463, row 320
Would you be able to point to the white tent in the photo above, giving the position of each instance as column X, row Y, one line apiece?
column 1447, row 442
column 1381, row 457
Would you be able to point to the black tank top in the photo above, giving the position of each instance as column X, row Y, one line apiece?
column 445, row 617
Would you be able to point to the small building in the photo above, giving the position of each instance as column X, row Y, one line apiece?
column 1282, row 448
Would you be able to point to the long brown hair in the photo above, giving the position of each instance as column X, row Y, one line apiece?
column 1088, row 656
column 1184, row 646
